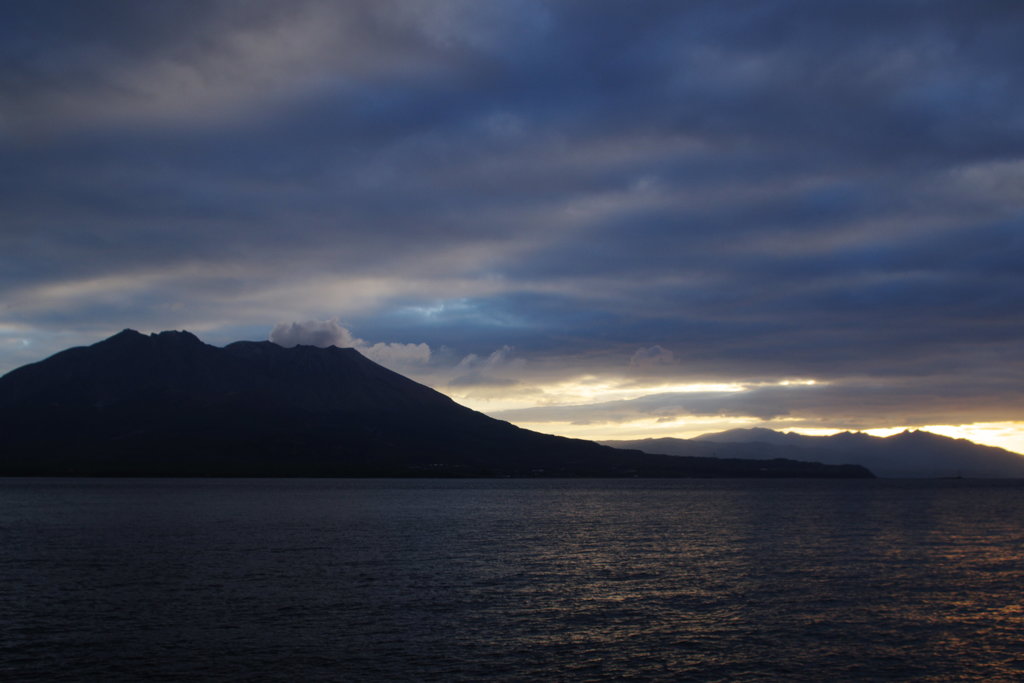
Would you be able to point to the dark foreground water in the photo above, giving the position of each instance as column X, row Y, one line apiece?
column 527, row 580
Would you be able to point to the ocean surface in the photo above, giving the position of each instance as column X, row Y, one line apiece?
column 464, row 580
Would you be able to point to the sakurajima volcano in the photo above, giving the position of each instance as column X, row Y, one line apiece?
column 168, row 404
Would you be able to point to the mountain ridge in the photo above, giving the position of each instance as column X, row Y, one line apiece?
column 167, row 404
column 911, row 453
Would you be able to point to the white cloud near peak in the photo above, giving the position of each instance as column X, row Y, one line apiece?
column 325, row 333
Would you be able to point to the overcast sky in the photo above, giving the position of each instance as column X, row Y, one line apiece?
column 605, row 219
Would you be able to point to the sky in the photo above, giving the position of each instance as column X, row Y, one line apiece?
column 592, row 218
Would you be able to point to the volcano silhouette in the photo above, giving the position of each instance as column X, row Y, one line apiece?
column 168, row 404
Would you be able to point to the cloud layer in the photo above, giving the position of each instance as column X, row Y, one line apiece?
column 691, row 194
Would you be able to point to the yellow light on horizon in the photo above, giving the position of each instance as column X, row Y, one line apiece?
column 593, row 390
column 1008, row 435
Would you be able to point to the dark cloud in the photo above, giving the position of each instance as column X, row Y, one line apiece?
column 758, row 191
column 652, row 357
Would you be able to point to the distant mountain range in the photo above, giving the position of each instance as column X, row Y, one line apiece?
column 908, row 454
column 167, row 404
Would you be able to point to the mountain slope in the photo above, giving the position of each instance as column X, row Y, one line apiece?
column 908, row 454
column 168, row 404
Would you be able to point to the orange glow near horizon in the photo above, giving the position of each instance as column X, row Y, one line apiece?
column 1008, row 435
column 595, row 390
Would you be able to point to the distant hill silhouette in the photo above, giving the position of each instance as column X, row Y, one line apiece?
column 167, row 404
column 908, row 454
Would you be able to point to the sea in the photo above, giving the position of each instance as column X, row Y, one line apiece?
column 511, row 580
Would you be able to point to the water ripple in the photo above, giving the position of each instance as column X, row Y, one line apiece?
column 511, row 580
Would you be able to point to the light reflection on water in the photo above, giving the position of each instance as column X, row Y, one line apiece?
column 513, row 579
